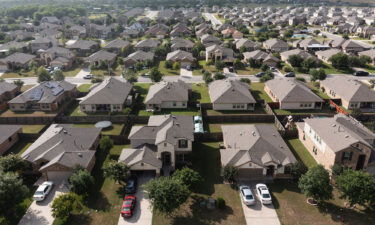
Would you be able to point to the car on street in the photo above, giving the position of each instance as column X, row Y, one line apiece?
column 128, row 205
column 246, row 195
column 361, row 73
column 290, row 74
column 263, row 194
column 88, row 76
column 43, row 190
column 131, row 186
column 260, row 74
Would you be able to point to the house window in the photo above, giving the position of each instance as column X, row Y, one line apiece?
column 165, row 144
column 183, row 104
column 182, row 143
column 174, row 103
column 347, row 156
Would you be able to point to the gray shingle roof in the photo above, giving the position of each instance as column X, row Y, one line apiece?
column 18, row 57
column 5, row 87
column 8, row 130
column 117, row 43
column 101, row 55
column 142, row 155
column 230, row 91
column 167, row 92
column 71, row 159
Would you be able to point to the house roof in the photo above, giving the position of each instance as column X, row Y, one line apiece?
column 61, row 138
column 306, row 42
column 180, row 42
column 111, row 91
column 291, row 90
column 180, row 55
column 260, row 55
column 168, row 92
column 370, row 53
column 117, row 44
column 148, row 43
column 162, row 128
column 340, row 131
column 141, row 56
column 145, row 155
column 255, row 143
column 327, row 53
column 5, row 87
column 230, row 91
column 18, row 57
column 243, row 42
column 7, row 131
column 276, row 43
column 297, row 51
column 83, row 45
column 101, row 55
column 349, row 89
column 70, row 159
column 45, row 92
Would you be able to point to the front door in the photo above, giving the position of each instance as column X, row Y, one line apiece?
column 360, row 162
column 270, row 170
column 166, row 156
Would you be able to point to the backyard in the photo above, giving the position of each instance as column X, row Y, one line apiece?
column 200, row 93
column 84, row 87
column 32, row 129
column 115, row 129
column 257, row 90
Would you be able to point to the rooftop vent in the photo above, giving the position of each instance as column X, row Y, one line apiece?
column 80, row 154
column 253, row 133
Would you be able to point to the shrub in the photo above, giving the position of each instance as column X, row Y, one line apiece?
column 219, row 76
column 220, row 203
column 245, row 80
column 176, row 66
column 301, row 79
column 168, row 64
column 288, row 69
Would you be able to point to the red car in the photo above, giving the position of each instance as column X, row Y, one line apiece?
column 128, row 206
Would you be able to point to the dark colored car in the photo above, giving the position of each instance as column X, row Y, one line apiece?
column 290, row 74
column 361, row 73
column 131, row 186
column 231, row 69
column 128, row 205
column 261, row 74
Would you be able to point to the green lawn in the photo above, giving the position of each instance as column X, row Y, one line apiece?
column 32, row 129
column 84, row 87
column 330, row 70
column 10, row 113
column 257, row 90
column 300, row 152
column 186, row 112
column 76, row 111
column 18, row 75
column 191, row 212
column 210, row 68
column 19, row 148
column 248, row 71
column 103, row 205
column 167, row 72
column 317, row 90
column 142, row 89
column 216, row 127
column 200, row 93
column 115, row 129
column 72, row 72
column 258, row 110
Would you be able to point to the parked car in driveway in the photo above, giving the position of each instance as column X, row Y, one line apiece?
column 131, row 186
column 263, row 194
column 261, row 74
column 246, row 195
column 128, row 205
column 88, row 76
column 290, row 74
column 361, row 73
column 43, row 190
column 198, row 124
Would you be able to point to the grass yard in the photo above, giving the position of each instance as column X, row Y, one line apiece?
column 329, row 69
column 19, row 148
column 84, row 87
column 191, row 212
column 317, row 90
column 142, row 89
column 216, row 127
column 76, row 111
column 10, row 113
column 303, row 111
column 26, row 87
column 186, row 112
column 200, row 93
column 210, row 68
column 100, row 72
column 115, row 129
column 257, row 90
column 300, row 152
column 258, row 110
column 72, row 72
column 248, row 71
column 103, row 205
column 18, row 75
column 166, row 71
column 32, row 129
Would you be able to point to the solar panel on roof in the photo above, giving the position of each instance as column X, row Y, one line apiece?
column 51, row 84
column 36, row 94
column 57, row 90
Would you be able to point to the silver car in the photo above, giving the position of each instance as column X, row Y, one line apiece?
column 263, row 194
column 43, row 190
column 246, row 195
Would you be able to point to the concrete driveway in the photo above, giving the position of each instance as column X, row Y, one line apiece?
column 260, row 214
column 186, row 73
column 83, row 72
column 143, row 212
column 40, row 213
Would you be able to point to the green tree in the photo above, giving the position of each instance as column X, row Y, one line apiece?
column 12, row 163
column 117, row 171
column 105, row 143
column 264, row 67
column 43, row 75
column 207, row 77
column 230, row 173
column 19, row 83
column 316, row 184
column 81, row 181
column 155, row 75
column 219, row 76
column 58, row 75
column 295, row 60
column 246, row 80
column 188, row 177
column 238, row 64
column 168, row 64
column 358, row 187
column 340, row 61
column 288, row 33
column 254, row 63
column 317, row 74
column 176, row 66
column 166, row 194
column 309, row 63
column 219, row 65
column 12, row 191
column 63, row 206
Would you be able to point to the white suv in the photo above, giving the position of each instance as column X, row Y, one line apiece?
column 246, row 195
column 263, row 194
column 43, row 190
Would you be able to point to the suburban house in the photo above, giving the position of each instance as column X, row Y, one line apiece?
column 84, row 48
column 262, row 57
column 370, row 53
column 275, row 45
column 184, row 58
column 337, row 140
column 302, row 53
column 166, row 141
column 58, row 57
column 292, row 94
column 246, row 44
column 217, row 52
column 111, row 95
column 147, row 45
column 351, row 92
column 40, row 44
column 167, row 95
column 9, row 136
column 138, row 56
column 16, row 61
column 231, row 95
column 61, row 148
column 102, row 56
column 47, row 96
column 325, row 55
column 181, row 44
column 116, row 45
column 158, row 30
column 304, row 44
column 7, row 92
column 208, row 40
column 256, row 150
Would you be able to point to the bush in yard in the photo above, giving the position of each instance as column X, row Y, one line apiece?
column 316, row 184
column 219, row 65
column 12, row 191
column 43, row 75
column 266, row 77
column 168, row 64
column 238, row 64
column 105, row 143
column 155, row 75
column 63, row 205
column 176, row 66
column 230, row 173
column 254, row 63
column 166, row 194
column 12, row 163
column 358, row 187
column 295, row 60
column 264, row 67
column 288, row 69
column 317, row 74
column 220, row 203
column 298, row 169
column 245, row 80
column 340, row 61
column 81, row 181
column 188, row 177
column 117, row 171
column 337, row 170
column 58, row 75
column 19, row 83
column 207, row 77
column 301, row 79
column 219, row 76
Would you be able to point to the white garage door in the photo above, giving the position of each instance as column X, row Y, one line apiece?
column 57, row 176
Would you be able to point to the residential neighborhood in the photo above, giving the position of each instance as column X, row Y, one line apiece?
column 253, row 112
